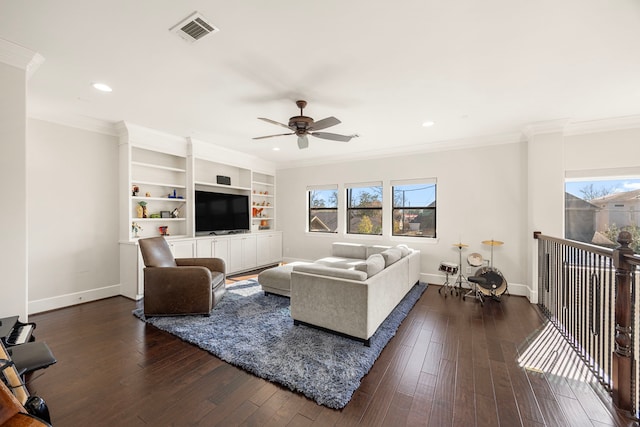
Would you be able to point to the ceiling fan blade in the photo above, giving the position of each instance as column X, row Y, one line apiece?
column 271, row 136
column 333, row 136
column 325, row 123
column 274, row 122
column 303, row 141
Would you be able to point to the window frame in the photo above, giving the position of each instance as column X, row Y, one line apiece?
column 433, row 207
column 348, row 208
column 312, row 189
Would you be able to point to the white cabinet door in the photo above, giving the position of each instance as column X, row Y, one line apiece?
column 183, row 248
column 269, row 248
column 249, row 252
column 220, row 249
column 204, row 248
column 234, row 263
column 242, row 253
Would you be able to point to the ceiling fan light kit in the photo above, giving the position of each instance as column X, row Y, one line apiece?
column 303, row 125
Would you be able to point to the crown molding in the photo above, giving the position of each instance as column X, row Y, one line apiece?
column 80, row 122
column 20, row 57
column 568, row 127
column 544, row 127
column 428, row 147
column 602, row 125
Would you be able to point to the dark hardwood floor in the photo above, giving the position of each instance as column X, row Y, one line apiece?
column 452, row 363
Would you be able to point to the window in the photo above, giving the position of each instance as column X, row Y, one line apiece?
column 323, row 210
column 414, row 208
column 597, row 209
column 364, row 209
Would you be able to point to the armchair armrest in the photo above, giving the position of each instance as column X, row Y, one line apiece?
column 177, row 290
column 213, row 264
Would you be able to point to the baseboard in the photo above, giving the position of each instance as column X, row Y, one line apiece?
column 60, row 301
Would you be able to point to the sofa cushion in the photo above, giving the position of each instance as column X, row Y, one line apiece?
column 372, row 266
column 349, row 250
column 391, row 256
column 375, row 249
column 323, row 270
column 404, row 250
column 338, row 262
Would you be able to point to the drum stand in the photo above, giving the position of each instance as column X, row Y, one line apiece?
column 447, row 286
column 474, row 292
column 460, row 279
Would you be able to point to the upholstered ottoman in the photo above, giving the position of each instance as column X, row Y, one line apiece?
column 277, row 280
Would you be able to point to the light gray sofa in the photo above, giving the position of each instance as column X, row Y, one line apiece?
column 353, row 291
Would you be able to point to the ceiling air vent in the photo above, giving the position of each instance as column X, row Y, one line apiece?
column 193, row 28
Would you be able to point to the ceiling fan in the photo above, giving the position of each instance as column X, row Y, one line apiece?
column 302, row 126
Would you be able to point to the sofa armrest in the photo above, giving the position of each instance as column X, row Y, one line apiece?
column 213, row 264
column 334, row 303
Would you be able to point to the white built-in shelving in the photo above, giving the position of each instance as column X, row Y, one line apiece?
column 158, row 180
column 166, row 170
column 263, row 201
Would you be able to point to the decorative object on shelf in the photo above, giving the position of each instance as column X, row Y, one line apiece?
column 257, row 212
column 134, row 190
column 142, row 213
column 176, row 212
column 264, row 224
column 147, row 194
column 164, row 230
column 165, row 214
column 224, row 180
column 155, row 215
column 135, row 227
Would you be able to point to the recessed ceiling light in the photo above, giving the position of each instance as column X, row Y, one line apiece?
column 102, row 87
column 276, row 148
column 428, row 124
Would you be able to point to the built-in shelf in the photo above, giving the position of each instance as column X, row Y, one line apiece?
column 160, row 167
column 222, row 186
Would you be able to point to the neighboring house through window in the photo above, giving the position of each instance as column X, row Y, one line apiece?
column 323, row 209
column 364, row 208
column 414, row 208
column 597, row 209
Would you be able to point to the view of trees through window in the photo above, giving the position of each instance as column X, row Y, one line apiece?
column 364, row 210
column 597, row 210
column 323, row 211
column 414, row 210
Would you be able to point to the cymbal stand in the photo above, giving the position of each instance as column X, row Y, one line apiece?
column 461, row 278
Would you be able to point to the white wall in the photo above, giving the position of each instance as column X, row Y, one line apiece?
column 603, row 152
column 13, row 208
column 73, row 215
column 481, row 195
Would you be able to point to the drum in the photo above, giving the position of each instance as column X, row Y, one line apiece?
column 475, row 260
column 448, row 267
column 496, row 285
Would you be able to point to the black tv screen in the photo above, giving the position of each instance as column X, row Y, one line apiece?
column 221, row 212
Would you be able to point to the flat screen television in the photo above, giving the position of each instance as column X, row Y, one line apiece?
column 221, row 213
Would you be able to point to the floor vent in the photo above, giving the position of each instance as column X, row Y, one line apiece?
column 193, row 28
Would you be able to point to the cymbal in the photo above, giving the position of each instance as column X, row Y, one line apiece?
column 461, row 245
column 492, row 242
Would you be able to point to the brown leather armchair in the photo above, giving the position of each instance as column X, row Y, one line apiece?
column 175, row 286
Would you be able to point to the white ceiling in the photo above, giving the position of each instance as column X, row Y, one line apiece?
column 476, row 68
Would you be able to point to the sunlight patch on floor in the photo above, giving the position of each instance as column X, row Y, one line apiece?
column 548, row 352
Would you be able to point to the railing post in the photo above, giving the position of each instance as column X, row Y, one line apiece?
column 623, row 352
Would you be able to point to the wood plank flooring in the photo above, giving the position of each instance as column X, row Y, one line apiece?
column 452, row 363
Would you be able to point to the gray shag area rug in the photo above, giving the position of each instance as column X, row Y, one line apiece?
column 255, row 332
